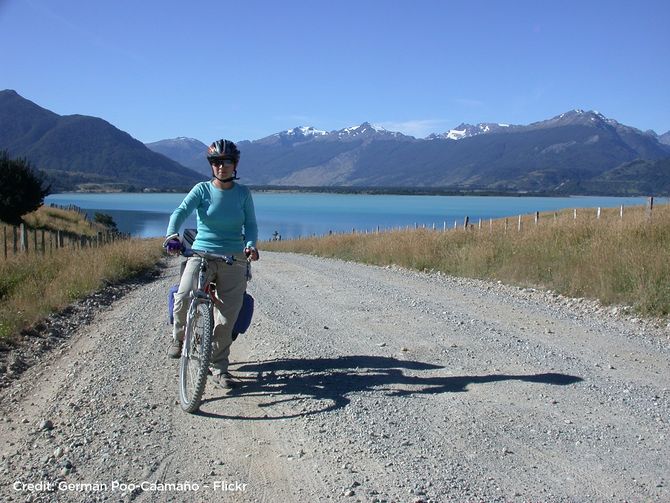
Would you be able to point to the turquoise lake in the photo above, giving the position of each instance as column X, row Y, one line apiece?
column 306, row 214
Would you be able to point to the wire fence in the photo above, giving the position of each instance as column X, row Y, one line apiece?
column 21, row 240
column 516, row 223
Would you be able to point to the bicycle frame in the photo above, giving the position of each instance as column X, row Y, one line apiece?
column 196, row 349
column 203, row 293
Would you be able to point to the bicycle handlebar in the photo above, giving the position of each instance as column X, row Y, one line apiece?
column 228, row 259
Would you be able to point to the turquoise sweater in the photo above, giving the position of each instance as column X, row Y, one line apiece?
column 224, row 218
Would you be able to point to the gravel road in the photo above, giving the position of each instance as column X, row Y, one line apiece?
column 356, row 383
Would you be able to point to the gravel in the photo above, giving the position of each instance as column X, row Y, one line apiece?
column 357, row 383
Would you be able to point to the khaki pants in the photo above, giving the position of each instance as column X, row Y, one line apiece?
column 231, row 283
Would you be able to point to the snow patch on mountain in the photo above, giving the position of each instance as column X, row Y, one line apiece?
column 468, row 130
column 302, row 131
column 366, row 126
column 366, row 129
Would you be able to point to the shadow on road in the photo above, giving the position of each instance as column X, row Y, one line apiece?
column 323, row 384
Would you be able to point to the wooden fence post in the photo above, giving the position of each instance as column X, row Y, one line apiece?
column 505, row 225
column 465, row 222
column 537, row 217
column 650, row 206
column 519, row 223
column 24, row 238
column 621, row 212
column 15, row 238
column 598, row 213
column 4, row 232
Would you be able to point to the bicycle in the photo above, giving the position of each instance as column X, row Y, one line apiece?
column 197, row 344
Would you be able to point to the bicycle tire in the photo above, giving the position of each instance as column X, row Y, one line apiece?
column 193, row 369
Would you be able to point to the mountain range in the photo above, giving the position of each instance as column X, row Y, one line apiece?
column 577, row 152
column 83, row 152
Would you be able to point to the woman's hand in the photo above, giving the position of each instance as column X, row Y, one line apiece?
column 251, row 253
column 173, row 245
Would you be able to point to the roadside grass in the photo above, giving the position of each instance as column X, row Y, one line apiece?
column 618, row 261
column 55, row 219
column 34, row 285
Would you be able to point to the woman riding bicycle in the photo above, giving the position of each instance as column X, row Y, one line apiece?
column 225, row 213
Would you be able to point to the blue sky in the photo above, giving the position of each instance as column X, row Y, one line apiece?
column 247, row 69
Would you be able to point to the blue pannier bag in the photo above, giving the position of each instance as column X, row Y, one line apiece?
column 171, row 292
column 243, row 319
column 246, row 313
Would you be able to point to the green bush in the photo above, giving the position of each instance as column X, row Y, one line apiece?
column 21, row 189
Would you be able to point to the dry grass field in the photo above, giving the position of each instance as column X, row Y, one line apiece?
column 616, row 260
column 34, row 284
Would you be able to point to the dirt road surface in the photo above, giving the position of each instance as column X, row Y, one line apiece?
column 356, row 383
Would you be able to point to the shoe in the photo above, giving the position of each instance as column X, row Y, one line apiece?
column 224, row 380
column 174, row 350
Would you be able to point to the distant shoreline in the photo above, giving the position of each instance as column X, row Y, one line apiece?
column 411, row 191
column 371, row 191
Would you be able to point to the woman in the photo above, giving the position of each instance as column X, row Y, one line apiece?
column 225, row 213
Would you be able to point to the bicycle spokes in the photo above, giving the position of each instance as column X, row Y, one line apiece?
column 195, row 355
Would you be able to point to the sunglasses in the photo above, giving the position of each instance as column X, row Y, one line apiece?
column 225, row 163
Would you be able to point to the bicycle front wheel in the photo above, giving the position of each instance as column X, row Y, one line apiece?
column 196, row 351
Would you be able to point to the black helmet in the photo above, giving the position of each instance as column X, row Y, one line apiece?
column 222, row 150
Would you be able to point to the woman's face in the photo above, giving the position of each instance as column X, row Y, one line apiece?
column 223, row 169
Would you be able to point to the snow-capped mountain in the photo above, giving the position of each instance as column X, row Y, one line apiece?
column 574, row 117
column 468, row 130
column 576, row 150
column 563, row 151
column 367, row 130
column 577, row 117
column 304, row 131
column 300, row 134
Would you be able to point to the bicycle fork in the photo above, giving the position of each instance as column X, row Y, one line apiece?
column 198, row 296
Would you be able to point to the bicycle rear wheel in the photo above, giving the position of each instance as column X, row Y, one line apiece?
column 194, row 364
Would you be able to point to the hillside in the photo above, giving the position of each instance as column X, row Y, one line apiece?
column 76, row 151
column 188, row 152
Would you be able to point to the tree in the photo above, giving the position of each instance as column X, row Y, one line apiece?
column 106, row 220
column 22, row 190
